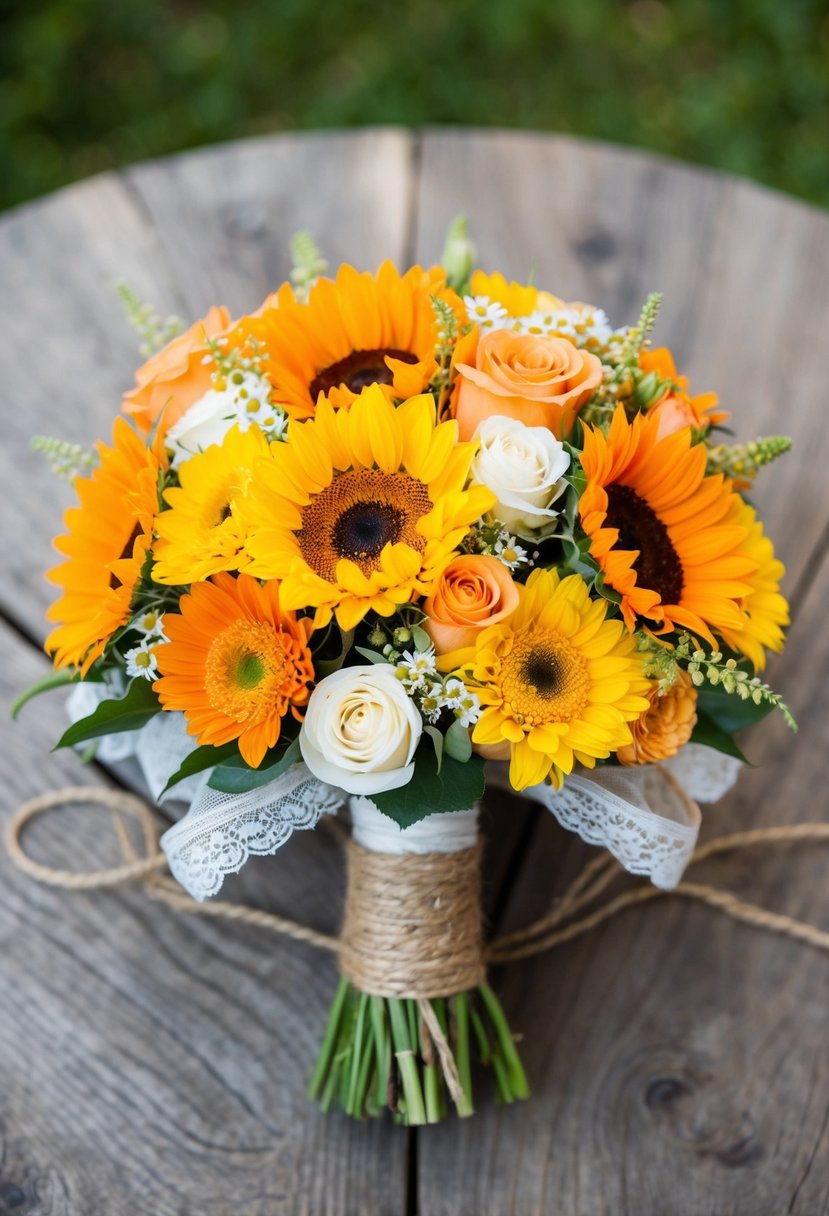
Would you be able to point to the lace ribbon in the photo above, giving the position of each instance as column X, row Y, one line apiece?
column 649, row 825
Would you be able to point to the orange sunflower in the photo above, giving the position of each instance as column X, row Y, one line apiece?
column 666, row 537
column 236, row 664
column 676, row 408
column 766, row 610
column 355, row 330
column 109, row 535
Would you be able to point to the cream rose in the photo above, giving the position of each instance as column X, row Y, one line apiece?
column 524, row 467
column 245, row 399
column 360, row 731
column 540, row 380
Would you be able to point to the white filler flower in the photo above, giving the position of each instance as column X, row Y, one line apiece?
column 524, row 466
column 361, row 730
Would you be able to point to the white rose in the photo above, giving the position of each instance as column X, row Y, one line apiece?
column 244, row 400
column 361, row 730
column 524, row 467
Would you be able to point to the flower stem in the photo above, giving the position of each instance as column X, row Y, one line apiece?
column 405, row 1056
column 517, row 1076
column 329, row 1041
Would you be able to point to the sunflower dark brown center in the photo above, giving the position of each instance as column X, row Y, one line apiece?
column 358, row 370
column 542, row 671
column 129, row 544
column 658, row 567
column 357, row 515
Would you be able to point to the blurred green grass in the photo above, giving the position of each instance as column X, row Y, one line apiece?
column 742, row 85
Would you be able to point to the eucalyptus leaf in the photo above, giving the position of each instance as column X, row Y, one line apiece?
column 457, row 743
column 421, row 638
column 373, row 656
column 437, row 739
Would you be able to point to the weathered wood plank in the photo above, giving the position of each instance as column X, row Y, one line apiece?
column 745, row 273
column 679, row 1061
column 159, row 1063
column 208, row 227
column 152, row 1061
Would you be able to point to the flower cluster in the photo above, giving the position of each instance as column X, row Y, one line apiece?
column 400, row 523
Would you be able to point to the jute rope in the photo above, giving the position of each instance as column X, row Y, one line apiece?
column 570, row 917
column 412, row 924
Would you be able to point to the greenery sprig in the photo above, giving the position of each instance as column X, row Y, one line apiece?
column 154, row 330
column 66, row 460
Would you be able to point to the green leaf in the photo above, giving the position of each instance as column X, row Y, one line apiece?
column 55, row 679
column 129, row 712
column 457, row 787
column 710, row 734
column 373, row 656
column 421, row 638
column 728, row 711
column 200, row 759
column 437, row 739
column 458, row 745
column 237, row 777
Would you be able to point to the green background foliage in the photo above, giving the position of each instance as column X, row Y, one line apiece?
column 90, row 84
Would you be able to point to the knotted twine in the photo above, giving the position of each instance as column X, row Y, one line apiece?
column 412, row 925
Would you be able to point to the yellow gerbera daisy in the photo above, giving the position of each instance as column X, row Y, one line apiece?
column 560, row 681
column 236, row 664
column 202, row 533
column 355, row 330
column 361, row 509
column 766, row 610
column 108, row 537
column 667, row 538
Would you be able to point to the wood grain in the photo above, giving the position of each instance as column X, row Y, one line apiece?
column 680, row 1062
column 155, row 1063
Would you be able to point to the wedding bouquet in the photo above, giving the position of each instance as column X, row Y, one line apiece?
column 371, row 540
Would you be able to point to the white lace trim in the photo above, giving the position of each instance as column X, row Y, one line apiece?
column 707, row 775
column 221, row 831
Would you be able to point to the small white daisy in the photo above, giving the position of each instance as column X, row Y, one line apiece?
column 416, row 671
column 141, row 661
column 486, row 313
column 151, row 625
column 508, row 551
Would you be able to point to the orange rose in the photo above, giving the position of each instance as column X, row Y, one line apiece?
column 677, row 408
column 471, row 594
column 175, row 376
column 540, row 381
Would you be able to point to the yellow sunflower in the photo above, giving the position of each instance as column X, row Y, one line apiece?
column 519, row 300
column 766, row 610
column 236, row 664
column 667, row 537
column 108, row 537
column 202, row 532
column 559, row 681
column 361, row 509
column 355, row 330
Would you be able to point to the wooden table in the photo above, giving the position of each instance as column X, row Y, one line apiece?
column 155, row 1063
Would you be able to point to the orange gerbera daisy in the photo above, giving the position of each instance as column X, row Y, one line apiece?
column 766, row 610
column 236, row 664
column 109, row 535
column 677, row 408
column 666, row 537
column 355, row 330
